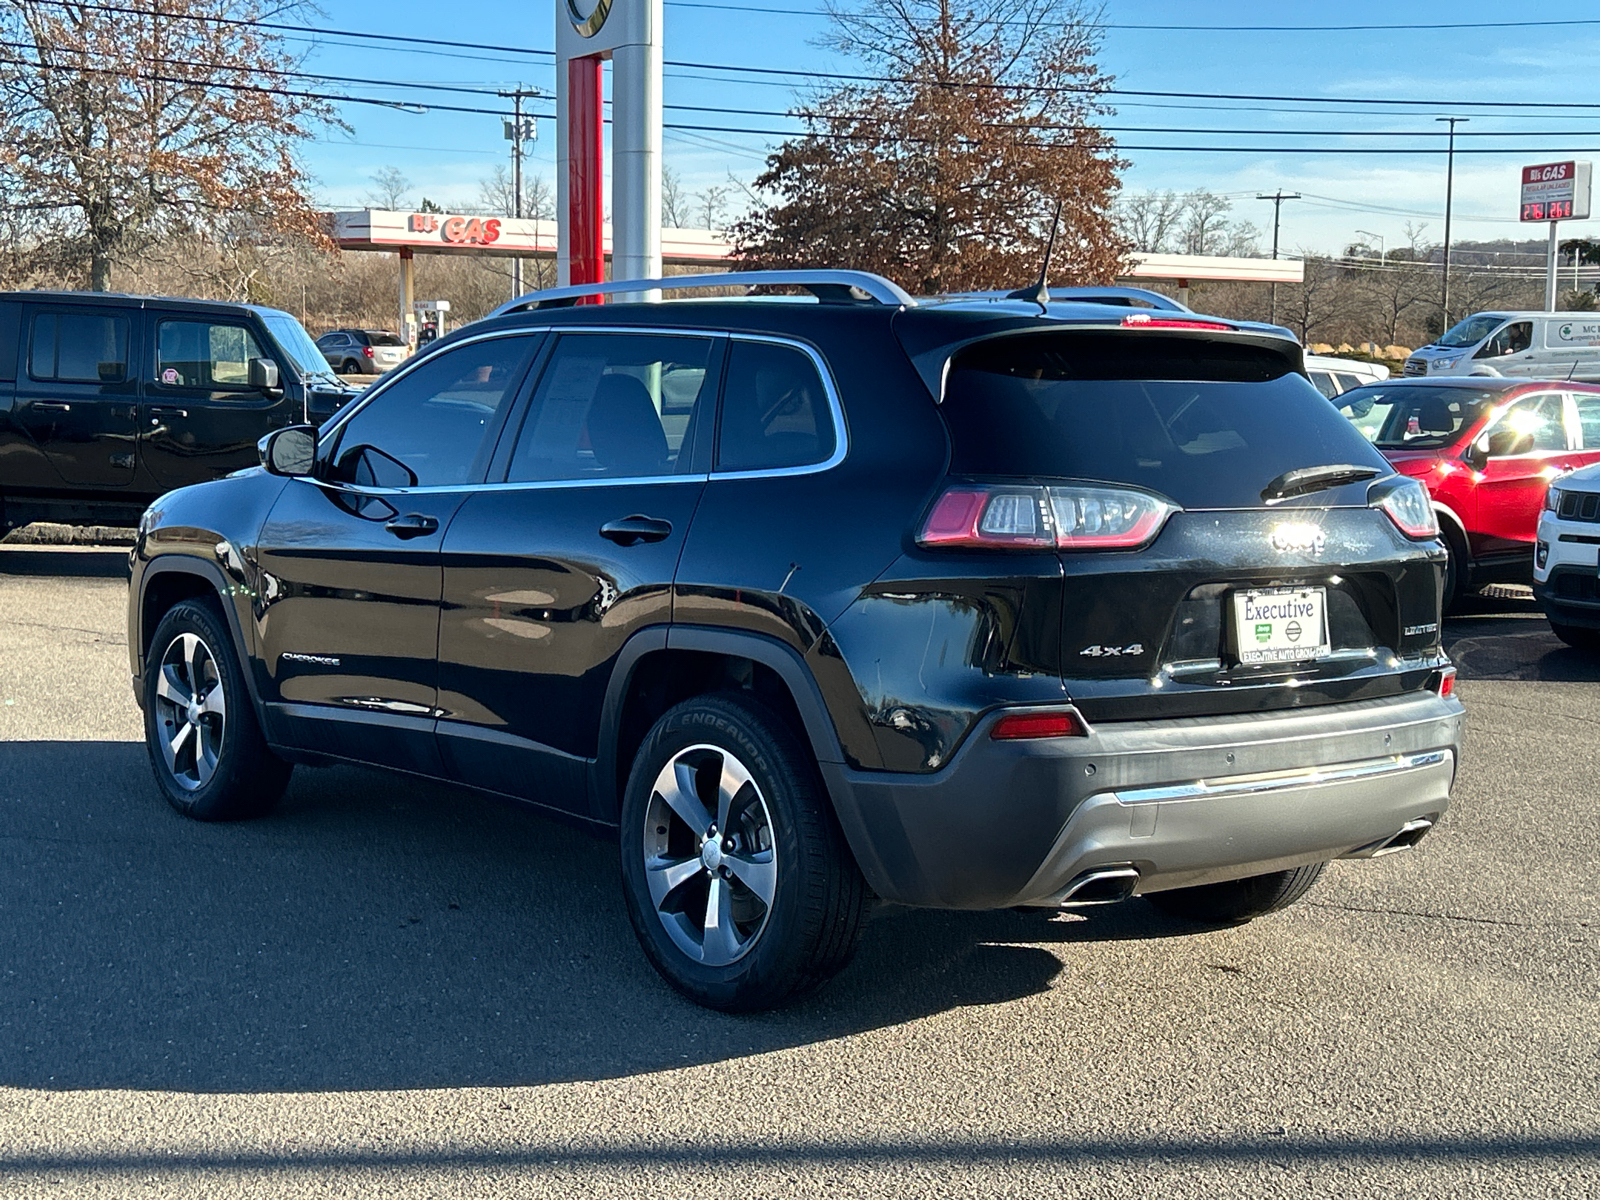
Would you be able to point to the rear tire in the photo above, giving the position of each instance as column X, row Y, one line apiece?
column 737, row 878
column 1577, row 637
column 1238, row 900
column 350, row 367
column 200, row 728
column 1456, row 570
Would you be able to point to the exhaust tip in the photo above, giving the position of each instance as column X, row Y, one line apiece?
column 1410, row 834
column 1099, row 885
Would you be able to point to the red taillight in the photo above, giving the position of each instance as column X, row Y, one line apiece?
column 1146, row 321
column 367, row 350
column 1067, row 517
column 1445, row 682
column 1020, row 726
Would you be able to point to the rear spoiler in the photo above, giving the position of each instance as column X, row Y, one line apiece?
column 932, row 357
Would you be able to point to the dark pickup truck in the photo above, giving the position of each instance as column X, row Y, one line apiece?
column 107, row 401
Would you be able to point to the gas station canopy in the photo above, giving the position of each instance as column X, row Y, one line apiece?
column 505, row 237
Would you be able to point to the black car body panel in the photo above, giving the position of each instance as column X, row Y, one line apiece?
column 139, row 395
column 520, row 637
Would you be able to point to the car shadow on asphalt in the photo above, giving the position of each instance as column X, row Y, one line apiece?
column 377, row 932
column 1506, row 637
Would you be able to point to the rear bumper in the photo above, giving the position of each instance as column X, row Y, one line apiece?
column 1182, row 802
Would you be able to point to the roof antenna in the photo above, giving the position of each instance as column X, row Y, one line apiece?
column 1039, row 293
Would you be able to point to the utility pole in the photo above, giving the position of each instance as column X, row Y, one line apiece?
column 518, row 132
column 1277, row 199
column 1449, row 193
column 1379, row 236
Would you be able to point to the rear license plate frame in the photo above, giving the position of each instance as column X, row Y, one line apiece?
column 1286, row 643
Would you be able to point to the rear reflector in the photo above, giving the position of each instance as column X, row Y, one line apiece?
column 1019, row 726
column 1146, row 321
column 1033, row 518
column 1444, row 682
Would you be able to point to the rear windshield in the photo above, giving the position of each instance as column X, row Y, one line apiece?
column 378, row 337
column 1415, row 418
column 1206, row 423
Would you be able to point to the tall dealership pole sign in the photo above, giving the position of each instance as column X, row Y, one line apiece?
column 628, row 32
column 1555, row 192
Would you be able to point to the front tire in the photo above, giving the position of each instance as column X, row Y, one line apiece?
column 737, row 878
column 205, row 746
column 1238, row 900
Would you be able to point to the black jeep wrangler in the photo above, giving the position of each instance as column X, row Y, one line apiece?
column 107, row 401
column 956, row 602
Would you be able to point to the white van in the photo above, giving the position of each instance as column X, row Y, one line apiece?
column 1517, row 345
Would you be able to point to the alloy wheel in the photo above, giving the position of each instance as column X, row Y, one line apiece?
column 191, row 711
column 710, row 859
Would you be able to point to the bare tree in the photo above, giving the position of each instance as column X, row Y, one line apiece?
column 1321, row 300
column 125, row 124
column 1205, row 222
column 945, row 176
column 497, row 197
column 676, row 203
column 1149, row 219
column 713, row 207
column 390, row 190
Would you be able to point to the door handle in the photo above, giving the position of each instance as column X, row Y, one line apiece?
column 160, row 410
column 630, row 531
column 52, row 406
column 413, row 525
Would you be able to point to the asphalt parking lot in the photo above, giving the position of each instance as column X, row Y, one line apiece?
column 387, row 988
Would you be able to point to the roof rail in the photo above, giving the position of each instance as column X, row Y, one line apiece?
column 829, row 287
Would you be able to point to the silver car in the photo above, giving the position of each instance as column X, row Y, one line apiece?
column 363, row 351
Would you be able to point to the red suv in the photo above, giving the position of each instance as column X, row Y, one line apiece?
column 1486, row 449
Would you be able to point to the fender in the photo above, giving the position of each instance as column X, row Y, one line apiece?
column 1444, row 510
column 185, row 564
column 769, row 652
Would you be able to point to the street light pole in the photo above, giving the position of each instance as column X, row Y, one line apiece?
column 1449, row 193
column 1277, row 199
column 1379, row 236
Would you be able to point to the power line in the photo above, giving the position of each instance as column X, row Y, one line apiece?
column 1165, row 26
column 845, row 77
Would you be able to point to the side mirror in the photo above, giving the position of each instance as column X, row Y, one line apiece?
column 264, row 374
column 291, row 451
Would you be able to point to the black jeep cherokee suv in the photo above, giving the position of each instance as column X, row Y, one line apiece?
column 965, row 603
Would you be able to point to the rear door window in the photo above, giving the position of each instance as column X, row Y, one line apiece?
column 1207, row 423
column 79, row 348
column 1588, row 406
column 614, row 405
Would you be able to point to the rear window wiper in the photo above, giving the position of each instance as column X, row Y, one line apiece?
column 1304, row 480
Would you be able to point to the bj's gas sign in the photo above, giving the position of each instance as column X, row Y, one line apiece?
column 1556, row 192
column 458, row 231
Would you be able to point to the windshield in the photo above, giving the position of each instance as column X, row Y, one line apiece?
column 1415, row 418
column 294, row 341
column 1471, row 331
column 1205, row 423
column 382, row 337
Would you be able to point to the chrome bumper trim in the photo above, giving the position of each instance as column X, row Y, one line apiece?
column 1205, row 789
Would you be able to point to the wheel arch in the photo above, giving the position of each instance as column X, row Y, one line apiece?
column 663, row 666
column 169, row 580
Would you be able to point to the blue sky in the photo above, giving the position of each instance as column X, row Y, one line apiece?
column 446, row 155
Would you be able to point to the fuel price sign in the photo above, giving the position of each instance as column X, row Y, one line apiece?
column 1556, row 192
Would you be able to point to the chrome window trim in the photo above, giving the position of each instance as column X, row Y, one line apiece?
column 841, row 431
